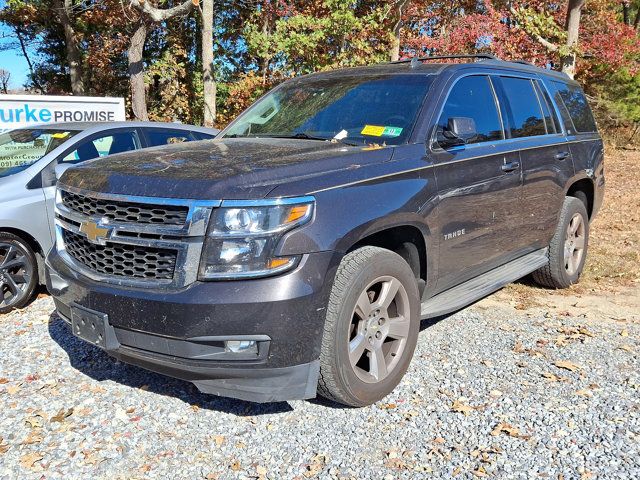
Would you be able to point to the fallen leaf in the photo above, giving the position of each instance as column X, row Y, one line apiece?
column 584, row 393
column 34, row 422
column 624, row 333
column 4, row 380
column 4, row 447
column 567, row 365
column 235, row 466
column 388, row 406
column 480, row 472
column 28, row 460
column 219, row 439
column 456, row 471
column 460, row 407
column 13, row 389
column 626, row 348
column 34, row 436
column 61, row 415
column 130, row 409
column 507, row 429
column 260, row 470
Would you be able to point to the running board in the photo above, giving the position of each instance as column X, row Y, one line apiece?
column 472, row 290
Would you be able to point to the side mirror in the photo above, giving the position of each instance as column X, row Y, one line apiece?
column 60, row 168
column 459, row 131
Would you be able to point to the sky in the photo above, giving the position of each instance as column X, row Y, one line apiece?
column 12, row 59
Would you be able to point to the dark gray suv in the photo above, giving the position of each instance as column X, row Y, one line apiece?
column 297, row 252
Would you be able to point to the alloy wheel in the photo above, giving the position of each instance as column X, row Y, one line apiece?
column 379, row 329
column 16, row 271
column 574, row 243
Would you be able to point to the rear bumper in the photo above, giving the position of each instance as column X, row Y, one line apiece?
column 182, row 333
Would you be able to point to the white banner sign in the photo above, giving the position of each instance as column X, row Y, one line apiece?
column 18, row 111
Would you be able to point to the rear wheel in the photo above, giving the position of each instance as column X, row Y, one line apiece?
column 371, row 327
column 18, row 272
column 568, row 247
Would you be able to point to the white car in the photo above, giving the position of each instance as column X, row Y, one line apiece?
column 31, row 159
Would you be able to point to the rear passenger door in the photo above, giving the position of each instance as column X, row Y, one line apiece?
column 479, row 186
column 533, row 129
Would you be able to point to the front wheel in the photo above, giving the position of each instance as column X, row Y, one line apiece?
column 568, row 247
column 371, row 327
column 18, row 272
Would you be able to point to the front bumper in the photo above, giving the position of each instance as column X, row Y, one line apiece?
column 181, row 333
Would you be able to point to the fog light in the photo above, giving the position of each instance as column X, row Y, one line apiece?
column 244, row 346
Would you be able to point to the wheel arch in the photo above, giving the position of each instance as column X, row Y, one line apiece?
column 33, row 244
column 583, row 189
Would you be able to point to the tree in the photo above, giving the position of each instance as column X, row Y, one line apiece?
column 209, row 84
column 150, row 16
column 74, row 55
column 397, row 9
column 5, row 77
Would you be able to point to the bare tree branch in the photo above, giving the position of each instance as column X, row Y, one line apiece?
column 161, row 14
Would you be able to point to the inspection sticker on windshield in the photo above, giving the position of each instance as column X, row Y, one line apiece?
column 378, row 131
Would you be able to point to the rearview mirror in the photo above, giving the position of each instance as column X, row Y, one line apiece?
column 459, row 131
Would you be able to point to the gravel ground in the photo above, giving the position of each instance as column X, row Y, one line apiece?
column 492, row 392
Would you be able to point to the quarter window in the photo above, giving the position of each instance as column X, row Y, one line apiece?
column 472, row 97
column 162, row 136
column 526, row 118
column 577, row 106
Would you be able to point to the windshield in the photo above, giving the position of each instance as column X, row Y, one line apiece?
column 355, row 109
column 21, row 148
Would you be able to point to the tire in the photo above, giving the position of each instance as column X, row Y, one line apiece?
column 564, row 268
column 357, row 319
column 18, row 272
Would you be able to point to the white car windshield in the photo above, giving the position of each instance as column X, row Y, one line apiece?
column 21, row 148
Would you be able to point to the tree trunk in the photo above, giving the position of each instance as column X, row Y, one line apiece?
column 636, row 22
column 625, row 12
column 398, row 10
column 74, row 56
column 136, row 73
column 207, row 64
column 574, row 10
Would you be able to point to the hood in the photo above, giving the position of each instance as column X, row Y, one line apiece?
column 233, row 168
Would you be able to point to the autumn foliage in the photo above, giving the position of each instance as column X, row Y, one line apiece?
column 258, row 44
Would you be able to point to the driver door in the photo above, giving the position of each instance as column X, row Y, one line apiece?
column 479, row 187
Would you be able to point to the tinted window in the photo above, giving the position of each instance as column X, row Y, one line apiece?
column 202, row 136
column 525, row 114
column 163, row 136
column 576, row 103
column 472, row 97
column 550, row 116
column 102, row 146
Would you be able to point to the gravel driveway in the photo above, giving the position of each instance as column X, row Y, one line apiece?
column 491, row 392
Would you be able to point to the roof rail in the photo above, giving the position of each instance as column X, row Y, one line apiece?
column 522, row 62
column 479, row 56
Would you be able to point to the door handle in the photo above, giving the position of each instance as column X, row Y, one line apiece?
column 562, row 155
column 510, row 167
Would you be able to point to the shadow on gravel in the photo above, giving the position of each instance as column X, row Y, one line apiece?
column 95, row 363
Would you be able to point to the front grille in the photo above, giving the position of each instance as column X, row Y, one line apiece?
column 121, row 259
column 125, row 212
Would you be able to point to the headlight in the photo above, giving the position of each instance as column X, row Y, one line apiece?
column 242, row 237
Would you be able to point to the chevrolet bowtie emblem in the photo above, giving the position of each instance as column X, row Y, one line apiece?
column 93, row 231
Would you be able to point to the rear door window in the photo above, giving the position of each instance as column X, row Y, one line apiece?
column 473, row 97
column 166, row 136
column 525, row 114
column 573, row 98
column 550, row 115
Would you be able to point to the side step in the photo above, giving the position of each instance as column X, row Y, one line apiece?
column 468, row 292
